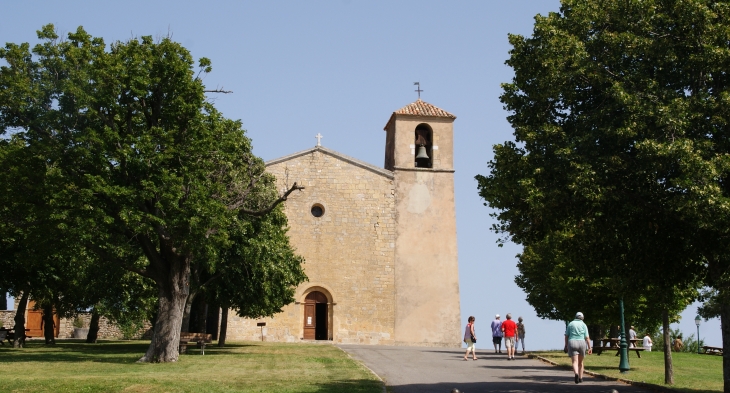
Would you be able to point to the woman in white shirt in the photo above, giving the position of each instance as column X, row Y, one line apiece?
column 647, row 343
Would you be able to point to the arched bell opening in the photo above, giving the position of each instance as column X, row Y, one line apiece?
column 424, row 146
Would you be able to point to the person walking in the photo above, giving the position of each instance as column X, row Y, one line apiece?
column 520, row 334
column 497, row 334
column 577, row 344
column 647, row 342
column 509, row 330
column 470, row 338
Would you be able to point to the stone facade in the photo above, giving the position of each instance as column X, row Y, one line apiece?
column 349, row 250
column 383, row 252
column 427, row 265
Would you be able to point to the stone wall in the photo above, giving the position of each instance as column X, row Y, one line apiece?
column 107, row 330
column 7, row 318
column 349, row 250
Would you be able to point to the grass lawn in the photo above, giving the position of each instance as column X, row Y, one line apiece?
column 692, row 372
column 239, row 367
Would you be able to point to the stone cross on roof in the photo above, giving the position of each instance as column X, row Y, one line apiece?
column 319, row 139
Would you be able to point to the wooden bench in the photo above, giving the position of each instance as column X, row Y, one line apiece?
column 712, row 350
column 200, row 339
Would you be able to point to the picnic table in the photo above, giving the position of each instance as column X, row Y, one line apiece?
column 9, row 334
column 712, row 350
column 612, row 344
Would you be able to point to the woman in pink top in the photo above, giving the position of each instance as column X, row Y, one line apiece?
column 470, row 338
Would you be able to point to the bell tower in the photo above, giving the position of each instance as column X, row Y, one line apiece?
column 419, row 150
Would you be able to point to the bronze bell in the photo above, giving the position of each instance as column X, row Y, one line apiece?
column 422, row 153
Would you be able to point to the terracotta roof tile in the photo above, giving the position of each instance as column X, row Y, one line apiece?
column 423, row 108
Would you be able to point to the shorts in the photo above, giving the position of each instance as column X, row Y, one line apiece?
column 577, row 347
column 469, row 345
column 509, row 342
column 497, row 340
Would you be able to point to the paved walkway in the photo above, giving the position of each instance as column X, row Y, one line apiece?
column 438, row 370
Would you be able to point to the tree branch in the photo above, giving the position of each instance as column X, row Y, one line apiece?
column 220, row 90
column 281, row 199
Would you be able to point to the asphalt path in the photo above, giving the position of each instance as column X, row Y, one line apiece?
column 438, row 370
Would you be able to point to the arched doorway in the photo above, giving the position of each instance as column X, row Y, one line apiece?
column 315, row 316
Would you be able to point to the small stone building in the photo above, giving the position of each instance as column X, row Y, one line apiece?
column 379, row 243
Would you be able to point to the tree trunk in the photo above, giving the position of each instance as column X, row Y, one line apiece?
column 212, row 320
column 201, row 315
column 186, row 314
column 49, row 325
column 224, row 327
column 596, row 333
column 725, row 329
column 19, row 328
column 93, row 327
column 668, row 368
column 173, row 292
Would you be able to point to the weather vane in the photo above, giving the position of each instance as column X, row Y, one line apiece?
column 418, row 89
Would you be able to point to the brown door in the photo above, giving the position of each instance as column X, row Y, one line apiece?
column 310, row 321
column 34, row 323
column 35, row 318
column 315, row 317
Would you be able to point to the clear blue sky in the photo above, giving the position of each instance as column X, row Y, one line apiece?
column 340, row 68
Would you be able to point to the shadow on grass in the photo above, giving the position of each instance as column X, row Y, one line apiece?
column 102, row 352
column 74, row 352
column 355, row 386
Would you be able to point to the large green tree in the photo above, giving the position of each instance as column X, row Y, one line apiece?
column 619, row 159
column 144, row 164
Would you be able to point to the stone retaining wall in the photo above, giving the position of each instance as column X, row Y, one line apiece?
column 107, row 329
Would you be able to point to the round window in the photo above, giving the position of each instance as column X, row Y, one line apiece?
column 317, row 210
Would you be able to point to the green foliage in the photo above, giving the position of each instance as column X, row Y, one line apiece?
column 619, row 110
column 118, row 162
column 261, row 270
column 130, row 327
column 78, row 322
column 689, row 343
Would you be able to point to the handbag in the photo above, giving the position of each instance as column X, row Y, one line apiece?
column 473, row 339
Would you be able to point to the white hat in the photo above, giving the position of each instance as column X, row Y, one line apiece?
column 579, row 315
column 496, row 316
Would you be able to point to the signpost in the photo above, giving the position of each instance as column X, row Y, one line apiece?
column 261, row 324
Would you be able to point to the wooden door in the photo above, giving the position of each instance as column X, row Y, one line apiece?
column 310, row 321
column 34, row 322
column 315, row 316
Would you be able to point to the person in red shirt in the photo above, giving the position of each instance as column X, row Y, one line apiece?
column 509, row 331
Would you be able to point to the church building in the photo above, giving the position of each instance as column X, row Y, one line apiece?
column 379, row 243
